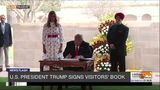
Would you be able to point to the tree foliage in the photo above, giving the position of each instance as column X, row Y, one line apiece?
column 28, row 15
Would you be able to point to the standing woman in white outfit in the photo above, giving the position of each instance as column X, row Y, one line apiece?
column 52, row 37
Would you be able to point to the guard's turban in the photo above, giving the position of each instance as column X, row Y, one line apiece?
column 121, row 15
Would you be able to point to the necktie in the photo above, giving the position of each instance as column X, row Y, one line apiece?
column 76, row 51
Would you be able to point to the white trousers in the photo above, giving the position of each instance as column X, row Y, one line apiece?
column 5, row 50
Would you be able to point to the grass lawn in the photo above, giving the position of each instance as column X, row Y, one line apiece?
column 3, row 79
column 154, row 87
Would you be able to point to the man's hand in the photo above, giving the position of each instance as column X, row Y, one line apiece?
column 60, row 50
column 69, row 56
column 112, row 46
column 10, row 44
column 80, row 57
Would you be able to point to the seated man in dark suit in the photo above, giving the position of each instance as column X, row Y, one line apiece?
column 77, row 48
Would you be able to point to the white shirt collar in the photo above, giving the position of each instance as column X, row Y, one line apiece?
column 3, row 23
column 3, row 27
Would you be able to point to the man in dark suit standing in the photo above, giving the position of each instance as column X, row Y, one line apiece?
column 117, row 36
column 5, row 41
column 77, row 48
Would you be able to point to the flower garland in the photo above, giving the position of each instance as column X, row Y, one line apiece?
column 103, row 66
column 101, row 48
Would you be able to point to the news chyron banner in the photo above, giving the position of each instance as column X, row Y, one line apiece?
column 81, row 77
column 68, row 77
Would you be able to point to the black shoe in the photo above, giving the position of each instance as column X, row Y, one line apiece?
column 7, row 68
column 1, row 69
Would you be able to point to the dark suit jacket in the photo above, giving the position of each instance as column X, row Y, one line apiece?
column 117, row 35
column 6, row 38
column 84, row 49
